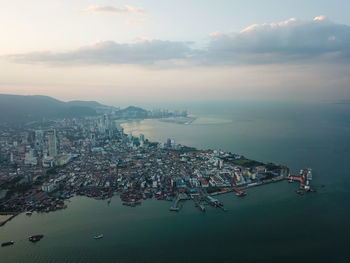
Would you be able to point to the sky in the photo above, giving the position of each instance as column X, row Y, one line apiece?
column 152, row 50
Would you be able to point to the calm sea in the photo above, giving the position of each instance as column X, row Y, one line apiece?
column 271, row 224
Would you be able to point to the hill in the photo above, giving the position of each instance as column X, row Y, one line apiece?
column 133, row 112
column 17, row 108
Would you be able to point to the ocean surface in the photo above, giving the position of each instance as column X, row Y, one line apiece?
column 271, row 224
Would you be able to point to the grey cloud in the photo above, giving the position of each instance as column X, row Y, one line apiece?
column 108, row 52
column 285, row 42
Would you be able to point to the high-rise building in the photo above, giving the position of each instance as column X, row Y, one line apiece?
column 168, row 143
column 39, row 139
column 51, row 134
column 142, row 137
column 30, row 158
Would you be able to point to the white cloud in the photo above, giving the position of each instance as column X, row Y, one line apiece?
column 115, row 10
column 290, row 41
column 136, row 22
column 215, row 34
column 320, row 18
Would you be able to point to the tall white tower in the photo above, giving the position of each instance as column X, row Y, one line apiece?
column 52, row 143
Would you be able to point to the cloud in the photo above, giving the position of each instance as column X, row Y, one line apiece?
column 114, row 10
column 290, row 41
column 286, row 41
column 142, row 52
column 136, row 22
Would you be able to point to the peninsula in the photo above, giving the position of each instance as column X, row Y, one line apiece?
column 45, row 162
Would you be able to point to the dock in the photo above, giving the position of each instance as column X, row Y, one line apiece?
column 176, row 207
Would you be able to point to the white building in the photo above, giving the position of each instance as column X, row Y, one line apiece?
column 30, row 159
column 52, row 141
column 48, row 187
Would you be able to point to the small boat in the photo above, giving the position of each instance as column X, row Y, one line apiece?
column 241, row 194
column 98, row 236
column 5, row 244
column 290, row 181
column 29, row 213
column 35, row 238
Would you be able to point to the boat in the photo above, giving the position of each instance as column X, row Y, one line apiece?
column 309, row 174
column 98, row 236
column 9, row 243
column 290, row 181
column 29, row 213
column 241, row 193
column 35, row 238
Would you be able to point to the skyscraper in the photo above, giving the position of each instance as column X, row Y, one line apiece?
column 51, row 134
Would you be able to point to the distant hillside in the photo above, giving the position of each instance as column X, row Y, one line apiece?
column 17, row 108
column 133, row 112
column 81, row 103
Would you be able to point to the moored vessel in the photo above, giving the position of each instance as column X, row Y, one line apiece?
column 35, row 238
column 98, row 236
column 9, row 243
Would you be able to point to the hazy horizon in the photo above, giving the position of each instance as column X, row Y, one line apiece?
column 133, row 51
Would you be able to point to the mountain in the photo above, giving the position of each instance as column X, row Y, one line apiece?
column 17, row 108
column 81, row 103
column 133, row 112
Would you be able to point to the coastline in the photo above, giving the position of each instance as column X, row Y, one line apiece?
column 6, row 217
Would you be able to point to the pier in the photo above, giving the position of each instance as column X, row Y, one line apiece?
column 176, row 207
column 197, row 202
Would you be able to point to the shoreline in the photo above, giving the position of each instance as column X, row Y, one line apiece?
column 11, row 216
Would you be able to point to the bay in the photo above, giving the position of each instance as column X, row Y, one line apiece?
column 271, row 224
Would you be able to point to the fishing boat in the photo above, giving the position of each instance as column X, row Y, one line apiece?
column 5, row 244
column 35, row 238
column 98, row 236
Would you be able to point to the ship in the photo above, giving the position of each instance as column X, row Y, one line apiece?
column 239, row 193
column 242, row 193
column 35, row 238
column 9, row 243
column 98, row 236
column 309, row 174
